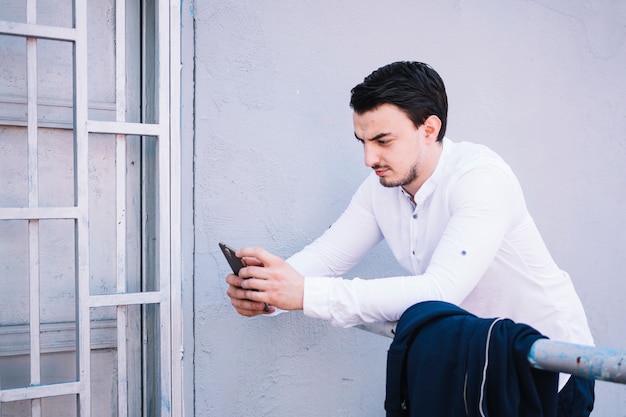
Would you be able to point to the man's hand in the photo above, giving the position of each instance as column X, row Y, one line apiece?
column 242, row 304
column 266, row 279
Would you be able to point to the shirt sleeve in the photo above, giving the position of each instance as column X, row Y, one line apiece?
column 483, row 203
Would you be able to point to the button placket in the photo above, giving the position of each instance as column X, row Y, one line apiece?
column 414, row 227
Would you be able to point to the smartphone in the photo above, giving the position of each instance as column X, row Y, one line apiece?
column 235, row 263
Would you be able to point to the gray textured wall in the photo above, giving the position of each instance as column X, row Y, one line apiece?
column 541, row 82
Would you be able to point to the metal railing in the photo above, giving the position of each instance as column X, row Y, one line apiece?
column 550, row 355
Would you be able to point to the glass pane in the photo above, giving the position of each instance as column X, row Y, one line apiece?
column 13, row 11
column 14, row 262
column 102, row 211
column 63, row 405
column 55, row 78
column 103, row 195
column 152, row 360
column 56, row 168
column 16, row 409
column 49, row 12
column 13, row 167
column 101, row 49
column 57, row 367
column 108, row 364
column 57, row 272
column 12, row 78
column 104, row 382
column 150, row 201
column 54, row 12
column 14, row 372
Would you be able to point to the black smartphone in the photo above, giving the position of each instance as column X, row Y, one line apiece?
column 235, row 263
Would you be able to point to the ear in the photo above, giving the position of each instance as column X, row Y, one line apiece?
column 432, row 126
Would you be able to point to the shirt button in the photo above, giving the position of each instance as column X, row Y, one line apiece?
column 415, row 215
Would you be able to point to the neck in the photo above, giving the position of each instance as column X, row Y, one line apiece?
column 425, row 171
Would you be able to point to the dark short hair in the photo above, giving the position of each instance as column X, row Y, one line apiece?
column 414, row 87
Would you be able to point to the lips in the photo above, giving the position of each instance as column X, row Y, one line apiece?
column 381, row 171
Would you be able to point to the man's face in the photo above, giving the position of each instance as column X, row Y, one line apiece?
column 399, row 153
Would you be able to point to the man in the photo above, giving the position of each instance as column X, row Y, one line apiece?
column 453, row 214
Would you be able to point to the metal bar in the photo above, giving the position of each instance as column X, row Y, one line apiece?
column 39, row 213
column 163, row 206
column 81, row 195
column 122, row 369
column 126, row 128
column 37, row 31
column 133, row 185
column 111, row 300
column 175, row 68
column 150, row 396
column 33, row 192
column 381, row 329
column 120, row 176
column 585, row 361
column 33, row 201
column 39, row 391
column 164, row 201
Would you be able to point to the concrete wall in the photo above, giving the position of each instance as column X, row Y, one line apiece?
column 541, row 82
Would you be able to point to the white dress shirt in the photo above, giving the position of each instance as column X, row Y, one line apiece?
column 468, row 240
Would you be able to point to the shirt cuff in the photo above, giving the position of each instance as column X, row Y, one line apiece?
column 316, row 298
column 276, row 312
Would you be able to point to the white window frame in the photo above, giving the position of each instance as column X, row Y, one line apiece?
column 166, row 130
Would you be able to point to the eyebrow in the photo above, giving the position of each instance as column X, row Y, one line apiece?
column 379, row 136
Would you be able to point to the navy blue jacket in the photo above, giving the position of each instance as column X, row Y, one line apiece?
column 436, row 366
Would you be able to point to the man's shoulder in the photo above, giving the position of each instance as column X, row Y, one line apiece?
column 463, row 156
column 470, row 151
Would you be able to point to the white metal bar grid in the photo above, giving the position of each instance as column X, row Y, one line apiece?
column 33, row 213
column 166, row 13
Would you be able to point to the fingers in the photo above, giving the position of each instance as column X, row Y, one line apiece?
column 260, row 254
column 244, row 289
column 251, row 308
column 253, row 262
column 262, row 264
column 243, row 299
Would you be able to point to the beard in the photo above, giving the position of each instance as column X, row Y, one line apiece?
column 401, row 182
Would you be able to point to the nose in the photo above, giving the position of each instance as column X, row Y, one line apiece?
column 370, row 155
